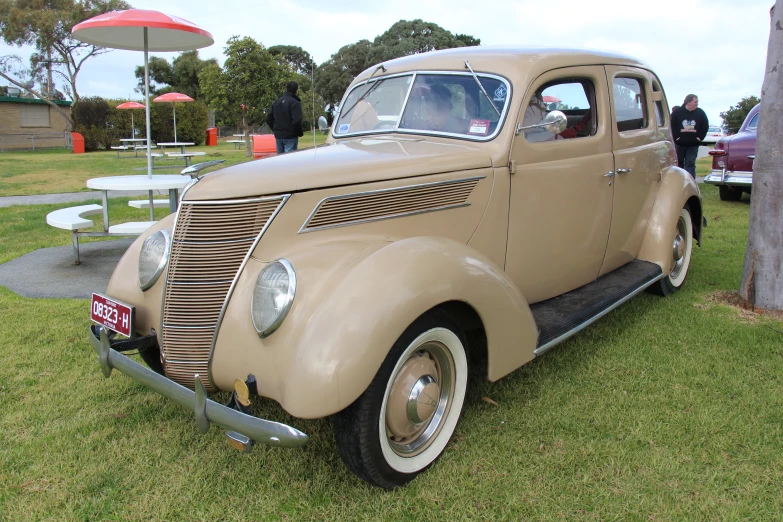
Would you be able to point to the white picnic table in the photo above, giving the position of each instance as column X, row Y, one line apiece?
column 238, row 142
column 180, row 144
column 74, row 218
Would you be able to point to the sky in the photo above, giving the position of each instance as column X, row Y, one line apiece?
column 715, row 49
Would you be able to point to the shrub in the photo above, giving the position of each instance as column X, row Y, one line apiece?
column 90, row 118
column 192, row 122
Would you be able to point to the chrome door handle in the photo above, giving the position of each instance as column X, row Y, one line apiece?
column 609, row 174
column 623, row 171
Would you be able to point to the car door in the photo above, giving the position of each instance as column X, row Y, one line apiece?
column 560, row 196
column 640, row 156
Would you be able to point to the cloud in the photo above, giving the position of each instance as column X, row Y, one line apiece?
column 687, row 42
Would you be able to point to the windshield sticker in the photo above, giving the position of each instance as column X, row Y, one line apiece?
column 500, row 93
column 479, row 127
column 344, row 127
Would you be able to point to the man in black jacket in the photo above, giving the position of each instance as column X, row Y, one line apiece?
column 689, row 127
column 285, row 119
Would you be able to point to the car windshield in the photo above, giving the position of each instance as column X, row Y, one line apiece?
column 426, row 103
column 714, row 129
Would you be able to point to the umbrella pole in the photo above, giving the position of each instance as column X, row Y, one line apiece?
column 133, row 127
column 147, row 111
column 174, row 105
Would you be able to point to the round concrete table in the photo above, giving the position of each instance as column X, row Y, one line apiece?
column 173, row 183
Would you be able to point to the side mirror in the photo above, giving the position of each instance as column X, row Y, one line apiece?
column 554, row 122
column 323, row 125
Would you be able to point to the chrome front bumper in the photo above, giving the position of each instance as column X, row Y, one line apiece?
column 732, row 179
column 206, row 410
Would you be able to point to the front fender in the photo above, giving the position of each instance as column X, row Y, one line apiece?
column 353, row 301
column 677, row 188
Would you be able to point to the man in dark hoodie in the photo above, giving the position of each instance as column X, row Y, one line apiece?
column 285, row 119
column 689, row 127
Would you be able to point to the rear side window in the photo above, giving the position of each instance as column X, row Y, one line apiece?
column 630, row 106
column 754, row 122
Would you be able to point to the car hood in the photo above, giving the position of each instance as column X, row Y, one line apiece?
column 343, row 163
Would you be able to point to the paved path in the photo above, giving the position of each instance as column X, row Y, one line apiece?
column 50, row 272
column 68, row 197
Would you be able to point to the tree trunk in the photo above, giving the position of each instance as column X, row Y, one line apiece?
column 246, row 137
column 762, row 275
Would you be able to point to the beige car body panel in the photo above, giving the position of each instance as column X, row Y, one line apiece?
column 367, row 271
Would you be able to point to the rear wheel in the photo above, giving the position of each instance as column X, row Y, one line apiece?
column 402, row 423
column 729, row 193
column 682, row 248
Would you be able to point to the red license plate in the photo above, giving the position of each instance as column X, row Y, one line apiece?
column 112, row 314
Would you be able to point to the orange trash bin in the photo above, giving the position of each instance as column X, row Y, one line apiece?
column 212, row 137
column 78, row 143
column 264, row 145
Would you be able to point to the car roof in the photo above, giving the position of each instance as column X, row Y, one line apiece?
column 515, row 63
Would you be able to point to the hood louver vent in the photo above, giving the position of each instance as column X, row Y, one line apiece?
column 351, row 209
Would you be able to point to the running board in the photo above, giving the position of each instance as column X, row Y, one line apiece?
column 561, row 317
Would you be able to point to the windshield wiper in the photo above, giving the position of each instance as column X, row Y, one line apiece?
column 367, row 93
column 482, row 88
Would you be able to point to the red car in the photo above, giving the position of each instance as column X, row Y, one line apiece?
column 732, row 160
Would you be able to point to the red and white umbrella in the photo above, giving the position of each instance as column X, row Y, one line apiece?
column 131, row 105
column 173, row 98
column 550, row 99
column 142, row 30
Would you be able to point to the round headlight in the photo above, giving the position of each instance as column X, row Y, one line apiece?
column 153, row 257
column 272, row 296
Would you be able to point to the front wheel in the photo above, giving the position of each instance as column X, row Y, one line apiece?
column 402, row 423
column 682, row 249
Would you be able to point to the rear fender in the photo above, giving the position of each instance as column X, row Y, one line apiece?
column 677, row 189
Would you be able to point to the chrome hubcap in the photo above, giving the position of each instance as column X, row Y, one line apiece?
column 419, row 399
column 423, row 400
column 678, row 248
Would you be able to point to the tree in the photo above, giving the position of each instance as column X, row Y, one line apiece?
column 247, row 85
column 181, row 75
column 733, row 118
column 414, row 37
column 294, row 57
column 47, row 25
column 762, row 274
column 336, row 74
column 403, row 38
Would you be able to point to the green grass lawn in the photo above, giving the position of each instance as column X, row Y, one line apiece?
column 666, row 409
column 54, row 171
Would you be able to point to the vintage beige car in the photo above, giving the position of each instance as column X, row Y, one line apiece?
column 507, row 196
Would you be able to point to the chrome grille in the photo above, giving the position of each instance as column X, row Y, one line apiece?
column 211, row 243
column 351, row 209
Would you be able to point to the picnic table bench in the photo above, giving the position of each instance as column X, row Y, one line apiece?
column 186, row 155
column 145, row 203
column 73, row 219
column 121, row 148
column 237, row 143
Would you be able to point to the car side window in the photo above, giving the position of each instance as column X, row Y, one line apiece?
column 574, row 97
column 754, row 122
column 630, row 106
